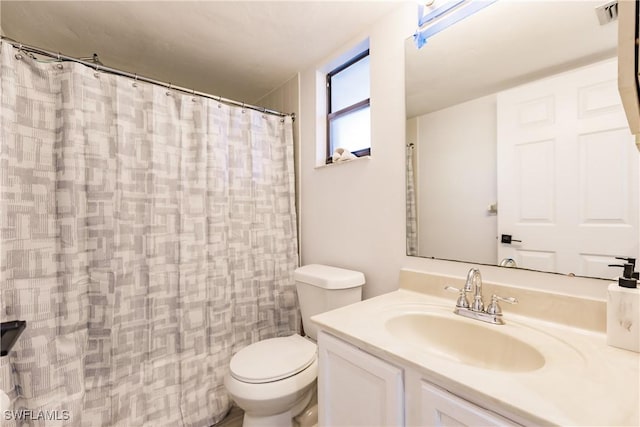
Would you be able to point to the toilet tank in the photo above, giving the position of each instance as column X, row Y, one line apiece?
column 322, row 288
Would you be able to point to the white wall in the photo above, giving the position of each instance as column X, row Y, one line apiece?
column 457, row 182
column 353, row 214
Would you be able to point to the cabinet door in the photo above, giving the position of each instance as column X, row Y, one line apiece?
column 356, row 388
column 443, row 409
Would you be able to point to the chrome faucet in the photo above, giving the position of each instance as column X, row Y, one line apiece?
column 474, row 282
column 476, row 310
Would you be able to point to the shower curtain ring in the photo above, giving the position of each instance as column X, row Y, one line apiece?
column 169, row 91
column 59, row 66
column 243, row 108
column 220, row 102
column 19, row 55
column 193, row 92
column 135, row 80
column 97, row 73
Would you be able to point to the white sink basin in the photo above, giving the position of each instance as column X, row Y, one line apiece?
column 466, row 341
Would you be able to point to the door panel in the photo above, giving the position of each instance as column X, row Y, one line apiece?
column 567, row 173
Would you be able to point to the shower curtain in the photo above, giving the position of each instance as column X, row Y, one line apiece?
column 412, row 219
column 146, row 235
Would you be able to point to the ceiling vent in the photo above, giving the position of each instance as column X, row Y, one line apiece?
column 607, row 12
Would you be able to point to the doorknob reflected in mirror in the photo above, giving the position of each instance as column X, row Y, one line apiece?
column 508, row 239
column 508, row 262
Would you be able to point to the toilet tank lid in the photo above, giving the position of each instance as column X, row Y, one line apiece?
column 328, row 277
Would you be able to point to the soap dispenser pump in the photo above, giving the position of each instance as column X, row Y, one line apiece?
column 632, row 261
column 627, row 280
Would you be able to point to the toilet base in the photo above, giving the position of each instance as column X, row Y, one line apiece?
column 283, row 419
column 309, row 415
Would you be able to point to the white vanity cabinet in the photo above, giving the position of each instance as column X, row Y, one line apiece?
column 356, row 388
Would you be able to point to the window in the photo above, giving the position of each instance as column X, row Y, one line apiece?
column 348, row 118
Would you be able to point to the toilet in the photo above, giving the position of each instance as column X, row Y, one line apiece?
column 274, row 380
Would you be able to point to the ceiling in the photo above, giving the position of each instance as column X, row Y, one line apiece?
column 502, row 46
column 239, row 50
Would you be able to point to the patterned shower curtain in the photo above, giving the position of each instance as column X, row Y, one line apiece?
column 146, row 236
column 412, row 219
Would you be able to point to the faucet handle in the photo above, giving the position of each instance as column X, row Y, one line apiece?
column 494, row 307
column 462, row 301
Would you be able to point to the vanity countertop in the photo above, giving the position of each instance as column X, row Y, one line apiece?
column 583, row 382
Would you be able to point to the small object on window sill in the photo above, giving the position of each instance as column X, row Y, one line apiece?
column 342, row 155
column 331, row 164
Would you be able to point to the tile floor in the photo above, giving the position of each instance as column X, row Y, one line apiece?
column 233, row 418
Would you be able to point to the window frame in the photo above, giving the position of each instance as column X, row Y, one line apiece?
column 346, row 110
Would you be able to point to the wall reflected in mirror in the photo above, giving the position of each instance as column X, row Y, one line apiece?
column 518, row 149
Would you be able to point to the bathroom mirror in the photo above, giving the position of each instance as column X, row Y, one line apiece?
column 471, row 199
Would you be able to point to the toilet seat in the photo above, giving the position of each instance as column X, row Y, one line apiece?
column 273, row 359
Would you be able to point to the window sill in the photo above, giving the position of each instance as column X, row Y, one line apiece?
column 343, row 162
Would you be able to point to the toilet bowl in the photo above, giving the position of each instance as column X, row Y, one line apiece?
column 273, row 380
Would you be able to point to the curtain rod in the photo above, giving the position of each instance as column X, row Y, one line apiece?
column 99, row 67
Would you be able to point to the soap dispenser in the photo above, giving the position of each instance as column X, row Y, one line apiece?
column 623, row 309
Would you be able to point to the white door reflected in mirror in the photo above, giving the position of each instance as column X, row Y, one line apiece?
column 454, row 120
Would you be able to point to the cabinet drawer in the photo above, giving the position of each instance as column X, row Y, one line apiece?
column 443, row 409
